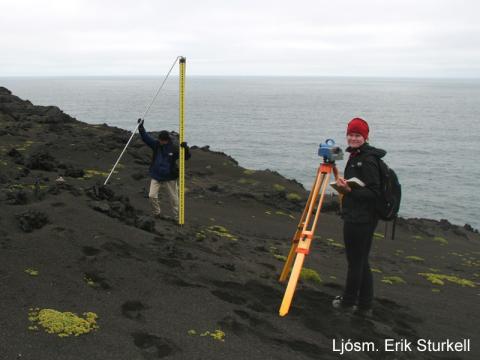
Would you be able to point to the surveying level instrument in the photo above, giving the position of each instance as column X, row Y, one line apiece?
column 302, row 239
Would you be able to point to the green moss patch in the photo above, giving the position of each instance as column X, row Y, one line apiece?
column 218, row 335
column 415, row 258
column 456, row 254
column 393, row 280
column 471, row 262
column 440, row 240
column 274, row 251
column 282, row 213
column 200, row 236
column 293, row 197
column 14, row 187
column 280, row 257
column 89, row 281
column 32, row 272
column 244, row 181
column 278, row 187
column 89, row 173
column 25, row 146
column 221, row 231
column 439, row 279
column 62, row 324
column 310, row 275
column 334, row 243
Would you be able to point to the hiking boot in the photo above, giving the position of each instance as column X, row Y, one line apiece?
column 339, row 303
column 169, row 219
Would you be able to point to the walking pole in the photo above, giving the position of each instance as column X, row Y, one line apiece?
column 124, row 149
column 181, row 210
column 143, row 117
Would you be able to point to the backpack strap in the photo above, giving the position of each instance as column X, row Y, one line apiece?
column 379, row 163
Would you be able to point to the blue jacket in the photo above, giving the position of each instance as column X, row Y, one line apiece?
column 163, row 166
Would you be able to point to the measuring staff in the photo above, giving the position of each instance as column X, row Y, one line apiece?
column 182, row 152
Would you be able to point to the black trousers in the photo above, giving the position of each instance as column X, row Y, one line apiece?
column 359, row 283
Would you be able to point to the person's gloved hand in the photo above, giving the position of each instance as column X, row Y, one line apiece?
column 140, row 122
column 187, row 150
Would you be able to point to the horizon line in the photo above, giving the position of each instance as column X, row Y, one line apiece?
column 258, row 76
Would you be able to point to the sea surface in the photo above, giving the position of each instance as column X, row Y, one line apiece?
column 430, row 128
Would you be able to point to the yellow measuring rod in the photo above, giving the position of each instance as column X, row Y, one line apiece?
column 181, row 205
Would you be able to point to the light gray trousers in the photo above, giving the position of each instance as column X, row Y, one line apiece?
column 172, row 191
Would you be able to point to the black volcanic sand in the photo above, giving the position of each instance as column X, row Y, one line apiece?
column 151, row 283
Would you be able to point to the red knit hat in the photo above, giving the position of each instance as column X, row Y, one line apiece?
column 358, row 126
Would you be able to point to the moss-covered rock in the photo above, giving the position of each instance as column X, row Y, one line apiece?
column 62, row 324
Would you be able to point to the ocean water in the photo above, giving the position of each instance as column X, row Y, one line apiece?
column 430, row 128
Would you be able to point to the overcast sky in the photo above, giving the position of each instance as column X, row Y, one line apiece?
column 426, row 38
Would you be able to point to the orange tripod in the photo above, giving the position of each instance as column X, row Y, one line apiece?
column 305, row 231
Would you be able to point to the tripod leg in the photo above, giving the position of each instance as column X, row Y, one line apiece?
column 296, row 237
column 288, row 263
column 323, row 186
column 292, row 284
column 306, row 237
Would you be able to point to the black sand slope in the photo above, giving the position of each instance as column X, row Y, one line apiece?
column 209, row 289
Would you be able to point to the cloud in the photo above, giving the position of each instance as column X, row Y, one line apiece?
column 371, row 37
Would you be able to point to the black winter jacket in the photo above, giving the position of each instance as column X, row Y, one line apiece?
column 358, row 206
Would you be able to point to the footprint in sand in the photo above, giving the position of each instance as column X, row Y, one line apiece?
column 133, row 310
column 154, row 347
column 229, row 297
column 90, row 251
column 255, row 295
column 95, row 280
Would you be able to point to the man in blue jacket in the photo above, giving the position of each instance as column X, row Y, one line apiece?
column 163, row 169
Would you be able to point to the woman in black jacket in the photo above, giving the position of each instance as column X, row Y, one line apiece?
column 359, row 216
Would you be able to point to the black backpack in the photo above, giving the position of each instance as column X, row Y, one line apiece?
column 391, row 193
